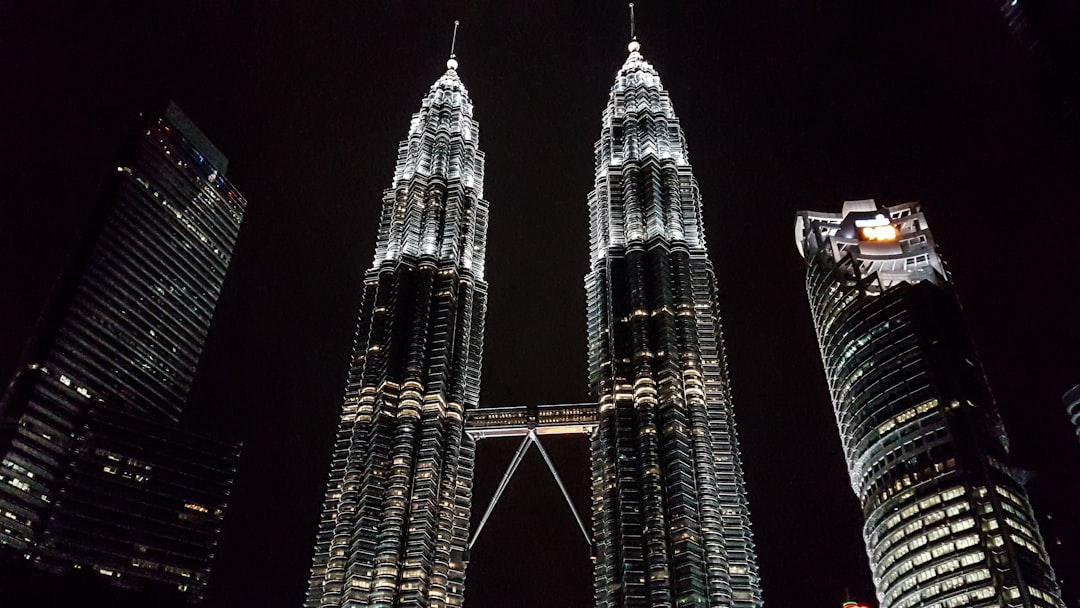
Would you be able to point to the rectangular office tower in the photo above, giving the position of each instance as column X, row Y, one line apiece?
column 395, row 519
column 671, row 525
column 97, row 474
column 947, row 524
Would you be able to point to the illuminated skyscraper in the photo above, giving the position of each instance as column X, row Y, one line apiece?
column 670, row 520
column 671, row 525
column 946, row 522
column 97, row 473
column 396, row 516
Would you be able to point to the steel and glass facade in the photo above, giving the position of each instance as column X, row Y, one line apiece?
column 946, row 523
column 396, row 515
column 142, row 503
column 671, row 526
column 113, row 359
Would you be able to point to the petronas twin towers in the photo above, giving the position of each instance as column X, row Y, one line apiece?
column 670, row 524
column 670, row 519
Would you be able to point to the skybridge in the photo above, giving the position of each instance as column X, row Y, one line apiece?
column 518, row 420
column 530, row 422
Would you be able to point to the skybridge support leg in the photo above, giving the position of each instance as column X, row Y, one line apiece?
column 524, row 447
column 529, row 439
column 558, row 480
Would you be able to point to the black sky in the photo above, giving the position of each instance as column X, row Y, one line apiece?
column 786, row 106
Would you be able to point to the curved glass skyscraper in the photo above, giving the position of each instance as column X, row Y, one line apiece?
column 946, row 523
column 396, row 515
column 670, row 519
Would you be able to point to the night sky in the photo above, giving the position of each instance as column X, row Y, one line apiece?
column 786, row 106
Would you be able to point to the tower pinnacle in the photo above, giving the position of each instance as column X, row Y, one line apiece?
column 451, row 64
column 634, row 45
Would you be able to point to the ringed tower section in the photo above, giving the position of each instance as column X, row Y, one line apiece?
column 671, row 524
column 396, row 514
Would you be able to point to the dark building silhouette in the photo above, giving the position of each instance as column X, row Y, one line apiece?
column 1045, row 33
column 1071, row 398
column 947, row 521
column 1061, row 538
column 98, row 474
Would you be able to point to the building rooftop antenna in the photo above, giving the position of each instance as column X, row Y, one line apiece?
column 634, row 45
column 452, row 62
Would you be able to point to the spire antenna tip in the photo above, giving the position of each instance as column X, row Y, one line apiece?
column 634, row 45
column 452, row 64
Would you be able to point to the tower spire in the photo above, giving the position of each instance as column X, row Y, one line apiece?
column 410, row 549
column 452, row 63
column 634, row 45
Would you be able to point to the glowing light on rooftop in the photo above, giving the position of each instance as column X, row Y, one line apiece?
column 880, row 233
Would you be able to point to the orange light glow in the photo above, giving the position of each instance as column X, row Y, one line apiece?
column 880, row 233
